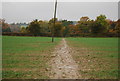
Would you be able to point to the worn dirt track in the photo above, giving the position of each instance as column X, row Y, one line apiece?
column 62, row 65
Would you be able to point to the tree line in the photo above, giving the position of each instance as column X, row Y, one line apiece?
column 85, row 27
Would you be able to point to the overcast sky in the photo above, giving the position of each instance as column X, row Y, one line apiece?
column 28, row 11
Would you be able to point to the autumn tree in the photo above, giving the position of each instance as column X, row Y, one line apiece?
column 58, row 29
column 65, row 27
column 34, row 28
column 84, row 24
column 51, row 21
column 74, row 30
column 117, row 27
column 45, row 29
column 84, row 19
column 100, row 26
column 5, row 26
column 23, row 30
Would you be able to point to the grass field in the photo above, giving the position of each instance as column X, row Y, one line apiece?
column 26, row 57
column 97, row 57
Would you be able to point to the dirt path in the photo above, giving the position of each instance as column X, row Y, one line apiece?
column 63, row 65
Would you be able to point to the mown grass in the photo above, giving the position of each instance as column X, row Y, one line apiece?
column 26, row 57
column 97, row 57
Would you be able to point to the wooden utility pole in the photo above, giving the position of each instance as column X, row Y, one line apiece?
column 54, row 21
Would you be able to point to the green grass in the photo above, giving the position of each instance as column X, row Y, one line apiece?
column 0, row 56
column 97, row 57
column 26, row 57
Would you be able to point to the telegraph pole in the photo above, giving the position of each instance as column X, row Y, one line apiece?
column 54, row 21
